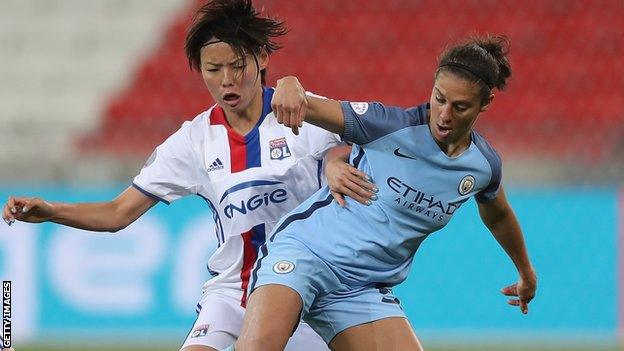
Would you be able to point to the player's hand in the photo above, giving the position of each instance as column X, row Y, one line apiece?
column 524, row 290
column 345, row 180
column 289, row 103
column 33, row 210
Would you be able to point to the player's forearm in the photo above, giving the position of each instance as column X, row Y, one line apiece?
column 100, row 217
column 290, row 101
column 325, row 113
column 110, row 216
column 507, row 232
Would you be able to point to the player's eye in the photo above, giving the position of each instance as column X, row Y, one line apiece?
column 461, row 108
column 440, row 99
column 212, row 70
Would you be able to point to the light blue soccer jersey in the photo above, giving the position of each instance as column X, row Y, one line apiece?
column 420, row 188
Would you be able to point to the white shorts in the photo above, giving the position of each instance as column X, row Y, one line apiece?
column 220, row 321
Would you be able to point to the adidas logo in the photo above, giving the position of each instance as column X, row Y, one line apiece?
column 217, row 164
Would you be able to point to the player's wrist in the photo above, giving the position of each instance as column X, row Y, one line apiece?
column 529, row 276
column 54, row 211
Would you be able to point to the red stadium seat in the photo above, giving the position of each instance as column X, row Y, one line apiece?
column 367, row 49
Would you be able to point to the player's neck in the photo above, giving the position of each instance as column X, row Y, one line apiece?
column 244, row 121
column 456, row 148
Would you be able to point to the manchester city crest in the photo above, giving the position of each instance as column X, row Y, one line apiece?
column 283, row 267
column 466, row 185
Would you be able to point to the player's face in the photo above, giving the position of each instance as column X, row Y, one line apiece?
column 232, row 82
column 455, row 105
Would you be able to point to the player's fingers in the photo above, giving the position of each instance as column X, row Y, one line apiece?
column 11, row 204
column 511, row 290
column 294, row 116
column 302, row 111
column 276, row 110
column 277, row 104
column 7, row 216
column 355, row 192
column 339, row 198
column 357, row 188
column 11, row 209
column 363, row 183
column 524, row 307
column 29, row 205
column 357, row 172
column 513, row 302
column 363, row 179
column 283, row 115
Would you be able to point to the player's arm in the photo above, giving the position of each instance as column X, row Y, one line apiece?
column 292, row 106
column 345, row 180
column 110, row 216
column 500, row 219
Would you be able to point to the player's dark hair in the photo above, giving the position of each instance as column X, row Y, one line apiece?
column 482, row 60
column 236, row 23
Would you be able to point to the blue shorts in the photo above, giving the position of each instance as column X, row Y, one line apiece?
column 329, row 306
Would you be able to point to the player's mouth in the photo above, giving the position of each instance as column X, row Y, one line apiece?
column 231, row 99
column 443, row 131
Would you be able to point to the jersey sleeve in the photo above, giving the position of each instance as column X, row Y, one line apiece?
column 320, row 139
column 490, row 192
column 365, row 122
column 172, row 170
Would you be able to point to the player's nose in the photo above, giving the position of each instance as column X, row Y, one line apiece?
column 228, row 77
column 446, row 113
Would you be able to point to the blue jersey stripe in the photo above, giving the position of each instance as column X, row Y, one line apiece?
column 252, row 146
column 493, row 159
column 358, row 158
column 259, row 236
column 252, row 140
column 246, row 185
column 254, row 274
column 150, row 195
column 319, row 173
column 302, row 215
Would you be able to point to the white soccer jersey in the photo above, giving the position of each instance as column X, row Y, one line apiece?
column 249, row 182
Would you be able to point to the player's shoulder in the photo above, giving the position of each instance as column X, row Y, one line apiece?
column 487, row 150
column 415, row 115
column 193, row 131
column 419, row 113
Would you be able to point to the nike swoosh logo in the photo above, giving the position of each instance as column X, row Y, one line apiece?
column 398, row 153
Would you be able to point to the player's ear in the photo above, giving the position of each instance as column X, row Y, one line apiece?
column 487, row 104
column 263, row 58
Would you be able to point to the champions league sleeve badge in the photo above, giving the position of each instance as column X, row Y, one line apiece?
column 279, row 149
column 359, row 107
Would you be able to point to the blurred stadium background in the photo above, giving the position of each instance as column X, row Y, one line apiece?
column 89, row 87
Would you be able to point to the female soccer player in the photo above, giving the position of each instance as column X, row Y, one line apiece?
column 249, row 169
column 333, row 265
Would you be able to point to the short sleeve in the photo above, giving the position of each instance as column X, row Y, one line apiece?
column 366, row 122
column 490, row 192
column 172, row 170
column 322, row 141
